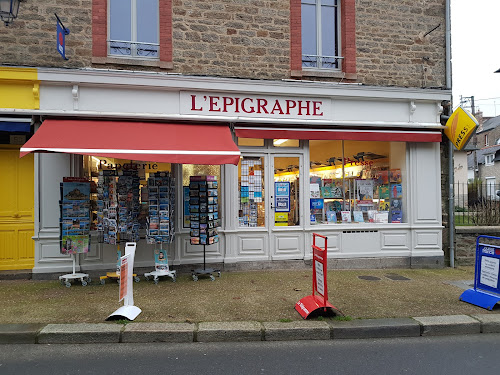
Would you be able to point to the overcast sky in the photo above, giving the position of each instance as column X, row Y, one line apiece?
column 476, row 53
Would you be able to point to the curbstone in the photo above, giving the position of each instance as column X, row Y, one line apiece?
column 448, row 325
column 375, row 328
column 229, row 331
column 158, row 332
column 297, row 330
column 19, row 333
column 489, row 323
column 81, row 333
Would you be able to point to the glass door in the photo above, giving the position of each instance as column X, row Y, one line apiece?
column 285, row 191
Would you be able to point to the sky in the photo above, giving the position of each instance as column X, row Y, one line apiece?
column 475, row 51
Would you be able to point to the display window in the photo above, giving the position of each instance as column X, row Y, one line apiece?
column 251, row 142
column 357, row 182
column 251, row 197
column 286, row 190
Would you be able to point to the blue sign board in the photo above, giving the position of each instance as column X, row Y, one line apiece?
column 61, row 38
column 316, row 203
column 282, row 196
column 486, row 291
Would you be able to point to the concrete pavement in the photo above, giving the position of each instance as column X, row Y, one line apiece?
column 84, row 333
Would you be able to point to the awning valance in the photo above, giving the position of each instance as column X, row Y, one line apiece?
column 339, row 134
column 145, row 141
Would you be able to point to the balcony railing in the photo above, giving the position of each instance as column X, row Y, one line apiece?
column 133, row 49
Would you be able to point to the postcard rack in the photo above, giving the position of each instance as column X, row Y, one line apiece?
column 204, row 218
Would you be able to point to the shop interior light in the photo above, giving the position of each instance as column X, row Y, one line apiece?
column 278, row 142
column 8, row 10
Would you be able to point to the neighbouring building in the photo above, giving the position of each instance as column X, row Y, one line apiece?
column 315, row 116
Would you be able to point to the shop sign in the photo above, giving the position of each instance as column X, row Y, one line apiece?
column 281, row 219
column 61, row 38
column 282, row 196
column 262, row 106
column 103, row 164
column 486, row 291
column 459, row 127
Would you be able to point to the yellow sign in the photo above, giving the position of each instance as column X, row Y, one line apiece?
column 281, row 219
column 460, row 127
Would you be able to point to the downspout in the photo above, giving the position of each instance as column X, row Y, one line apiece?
column 451, row 177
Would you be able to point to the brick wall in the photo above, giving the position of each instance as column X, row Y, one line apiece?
column 245, row 38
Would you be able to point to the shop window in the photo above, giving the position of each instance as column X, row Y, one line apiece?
column 323, row 34
column 286, row 190
column 357, row 182
column 252, row 142
column 190, row 170
column 129, row 32
column 286, row 143
column 251, row 212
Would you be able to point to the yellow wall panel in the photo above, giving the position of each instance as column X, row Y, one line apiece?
column 19, row 88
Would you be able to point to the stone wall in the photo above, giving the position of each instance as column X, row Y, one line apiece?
column 246, row 39
column 465, row 242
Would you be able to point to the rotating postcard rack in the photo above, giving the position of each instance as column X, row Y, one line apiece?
column 204, row 218
column 75, row 224
column 118, row 212
column 161, row 199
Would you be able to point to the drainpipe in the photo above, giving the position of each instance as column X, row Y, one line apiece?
column 451, row 177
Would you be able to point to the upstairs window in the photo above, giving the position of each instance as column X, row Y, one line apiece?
column 321, row 34
column 489, row 159
column 133, row 28
column 486, row 140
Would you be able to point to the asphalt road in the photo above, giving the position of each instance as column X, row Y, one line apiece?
column 474, row 354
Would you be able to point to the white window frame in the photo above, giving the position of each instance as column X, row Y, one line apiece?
column 133, row 43
column 319, row 42
column 489, row 160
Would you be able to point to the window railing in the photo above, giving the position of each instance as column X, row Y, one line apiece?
column 321, row 62
column 133, row 49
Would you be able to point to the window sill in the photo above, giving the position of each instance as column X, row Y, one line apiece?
column 133, row 61
column 322, row 74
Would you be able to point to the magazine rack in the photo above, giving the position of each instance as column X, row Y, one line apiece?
column 83, row 277
column 161, row 270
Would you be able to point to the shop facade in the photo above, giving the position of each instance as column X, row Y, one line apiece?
column 358, row 164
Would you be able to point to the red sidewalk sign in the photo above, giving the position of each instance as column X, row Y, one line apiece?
column 123, row 277
column 317, row 302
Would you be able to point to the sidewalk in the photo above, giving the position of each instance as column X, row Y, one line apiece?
column 246, row 306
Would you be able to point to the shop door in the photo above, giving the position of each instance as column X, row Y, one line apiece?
column 286, row 221
column 16, row 210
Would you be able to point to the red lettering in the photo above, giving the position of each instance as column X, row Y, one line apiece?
column 261, row 104
column 289, row 105
column 306, row 107
column 227, row 101
column 237, row 105
column 214, row 103
column 316, row 108
column 243, row 108
column 277, row 107
column 193, row 104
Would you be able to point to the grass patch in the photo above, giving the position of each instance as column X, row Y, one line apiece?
column 285, row 320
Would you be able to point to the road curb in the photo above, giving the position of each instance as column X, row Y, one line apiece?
column 86, row 333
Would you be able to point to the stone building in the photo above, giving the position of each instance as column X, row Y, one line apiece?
column 319, row 96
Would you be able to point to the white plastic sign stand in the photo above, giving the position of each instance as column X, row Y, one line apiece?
column 128, row 310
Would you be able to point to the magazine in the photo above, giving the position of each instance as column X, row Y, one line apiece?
column 346, row 216
column 358, row 216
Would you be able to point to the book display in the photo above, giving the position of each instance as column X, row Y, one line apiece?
column 74, row 223
column 204, row 216
column 161, row 201
column 251, row 205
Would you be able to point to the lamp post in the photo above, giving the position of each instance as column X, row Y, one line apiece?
column 8, row 10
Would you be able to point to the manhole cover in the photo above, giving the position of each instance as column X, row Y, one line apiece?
column 369, row 278
column 395, row 276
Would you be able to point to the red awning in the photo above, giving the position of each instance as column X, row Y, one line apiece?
column 145, row 141
column 340, row 134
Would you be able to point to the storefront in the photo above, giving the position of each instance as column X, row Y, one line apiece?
column 358, row 164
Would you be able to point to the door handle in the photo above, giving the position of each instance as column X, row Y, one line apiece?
column 16, row 216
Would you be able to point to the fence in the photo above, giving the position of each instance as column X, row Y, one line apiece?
column 477, row 203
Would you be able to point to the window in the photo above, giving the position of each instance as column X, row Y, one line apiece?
column 357, row 182
column 320, row 34
column 489, row 159
column 486, row 140
column 133, row 28
column 323, row 38
column 128, row 32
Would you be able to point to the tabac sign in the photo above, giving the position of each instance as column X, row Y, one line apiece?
column 460, row 127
